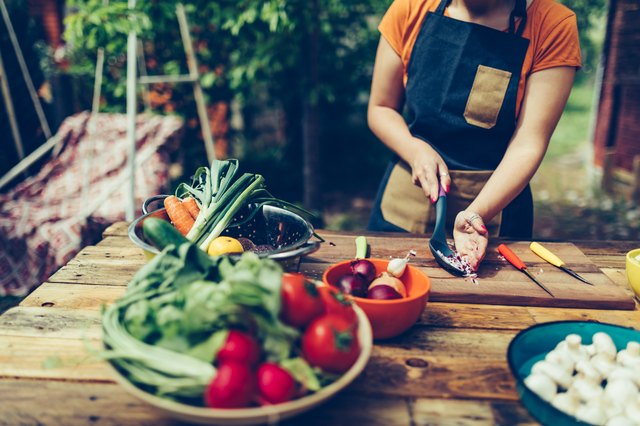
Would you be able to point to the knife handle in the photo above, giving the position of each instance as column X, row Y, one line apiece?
column 538, row 249
column 511, row 257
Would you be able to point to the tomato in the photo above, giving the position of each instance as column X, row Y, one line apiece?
column 301, row 302
column 232, row 387
column 275, row 384
column 335, row 302
column 330, row 343
column 240, row 347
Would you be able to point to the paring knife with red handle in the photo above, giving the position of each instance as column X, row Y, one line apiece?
column 519, row 264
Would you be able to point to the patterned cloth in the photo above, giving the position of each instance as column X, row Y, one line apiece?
column 48, row 218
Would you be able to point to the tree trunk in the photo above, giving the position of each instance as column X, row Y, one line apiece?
column 311, row 116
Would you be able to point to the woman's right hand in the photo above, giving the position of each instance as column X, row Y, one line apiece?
column 428, row 170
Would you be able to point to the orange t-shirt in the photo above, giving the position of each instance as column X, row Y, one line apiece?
column 551, row 29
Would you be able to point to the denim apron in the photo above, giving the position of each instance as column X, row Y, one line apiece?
column 461, row 94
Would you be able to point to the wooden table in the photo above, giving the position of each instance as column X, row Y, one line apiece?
column 449, row 369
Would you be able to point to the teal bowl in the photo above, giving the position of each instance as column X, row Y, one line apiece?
column 531, row 345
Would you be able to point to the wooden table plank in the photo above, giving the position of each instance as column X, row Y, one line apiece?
column 75, row 296
column 448, row 369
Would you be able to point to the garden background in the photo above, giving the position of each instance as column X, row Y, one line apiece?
column 287, row 84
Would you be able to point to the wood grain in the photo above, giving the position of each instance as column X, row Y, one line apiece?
column 450, row 368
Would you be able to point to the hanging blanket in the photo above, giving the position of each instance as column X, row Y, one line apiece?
column 48, row 218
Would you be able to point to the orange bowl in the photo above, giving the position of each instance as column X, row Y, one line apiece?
column 388, row 318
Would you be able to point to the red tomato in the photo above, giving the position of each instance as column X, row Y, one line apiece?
column 330, row 343
column 335, row 302
column 275, row 384
column 301, row 302
column 232, row 387
column 240, row 347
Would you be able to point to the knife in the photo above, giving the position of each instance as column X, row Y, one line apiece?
column 519, row 264
column 545, row 254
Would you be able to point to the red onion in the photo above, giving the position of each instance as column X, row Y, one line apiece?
column 365, row 268
column 383, row 292
column 353, row 285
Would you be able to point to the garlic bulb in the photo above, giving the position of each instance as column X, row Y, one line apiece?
column 396, row 267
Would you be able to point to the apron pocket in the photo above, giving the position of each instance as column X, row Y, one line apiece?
column 486, row 96
column 404, row 204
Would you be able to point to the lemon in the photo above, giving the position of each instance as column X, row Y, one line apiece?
column 224, row 245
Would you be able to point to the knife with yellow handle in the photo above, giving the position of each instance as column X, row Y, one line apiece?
column 545, row 254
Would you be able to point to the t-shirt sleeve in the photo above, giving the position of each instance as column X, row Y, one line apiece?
column 394, row 24
column 561, row 47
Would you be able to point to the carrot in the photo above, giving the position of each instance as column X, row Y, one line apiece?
column 178, row 214
column 192, row 206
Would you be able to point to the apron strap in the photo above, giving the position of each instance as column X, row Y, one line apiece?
column 520, row 9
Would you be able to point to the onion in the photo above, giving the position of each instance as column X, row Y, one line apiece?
column 383, row 292
column 391, row 281
column 365, row 268
column 353, row 284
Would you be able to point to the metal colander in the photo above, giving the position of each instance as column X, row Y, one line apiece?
column 286, row 231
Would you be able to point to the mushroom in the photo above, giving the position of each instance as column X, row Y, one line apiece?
column 542, row 385
column 620, row 421
column 622, row 391
column 619, row 372
column 567, row 402
column 592, row 413
column 604, row 345
column 586, row 370
column 603, row 363
column 562, row 358
column 576, row 351
column 630, row 357
column 556, row 373
column 586, row 389
column 632, row 410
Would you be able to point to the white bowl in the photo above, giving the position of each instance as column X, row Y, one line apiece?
column 266, row 414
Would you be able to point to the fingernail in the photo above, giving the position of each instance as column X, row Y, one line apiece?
column 433, row 200
column 484, row 228
column 446, row 189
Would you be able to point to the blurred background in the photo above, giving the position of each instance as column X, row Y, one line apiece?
column 286, row 86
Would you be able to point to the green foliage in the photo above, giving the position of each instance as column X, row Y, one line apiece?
column 591, row 16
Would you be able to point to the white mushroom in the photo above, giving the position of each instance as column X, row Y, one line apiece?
column 586, row 370
column 542, row 385
column 604, row 345
column 562, row 358
column 576, row 351
column 612, row 407
column 628, row 373
column 632, row 410
column 630, row 357
column 592, row 413
column 567, row 402
column 559, row 375
column 622, row 391
column 586, row 389
column 603, row 363
column 620, row 421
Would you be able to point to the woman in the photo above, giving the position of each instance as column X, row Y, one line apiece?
column 485, row 83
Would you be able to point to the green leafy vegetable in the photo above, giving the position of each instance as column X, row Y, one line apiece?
column 164, row 333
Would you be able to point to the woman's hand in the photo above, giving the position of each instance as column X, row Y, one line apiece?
column 428, row 170
column 471, row 237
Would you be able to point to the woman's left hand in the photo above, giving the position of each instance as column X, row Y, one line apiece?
column 471, row 237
